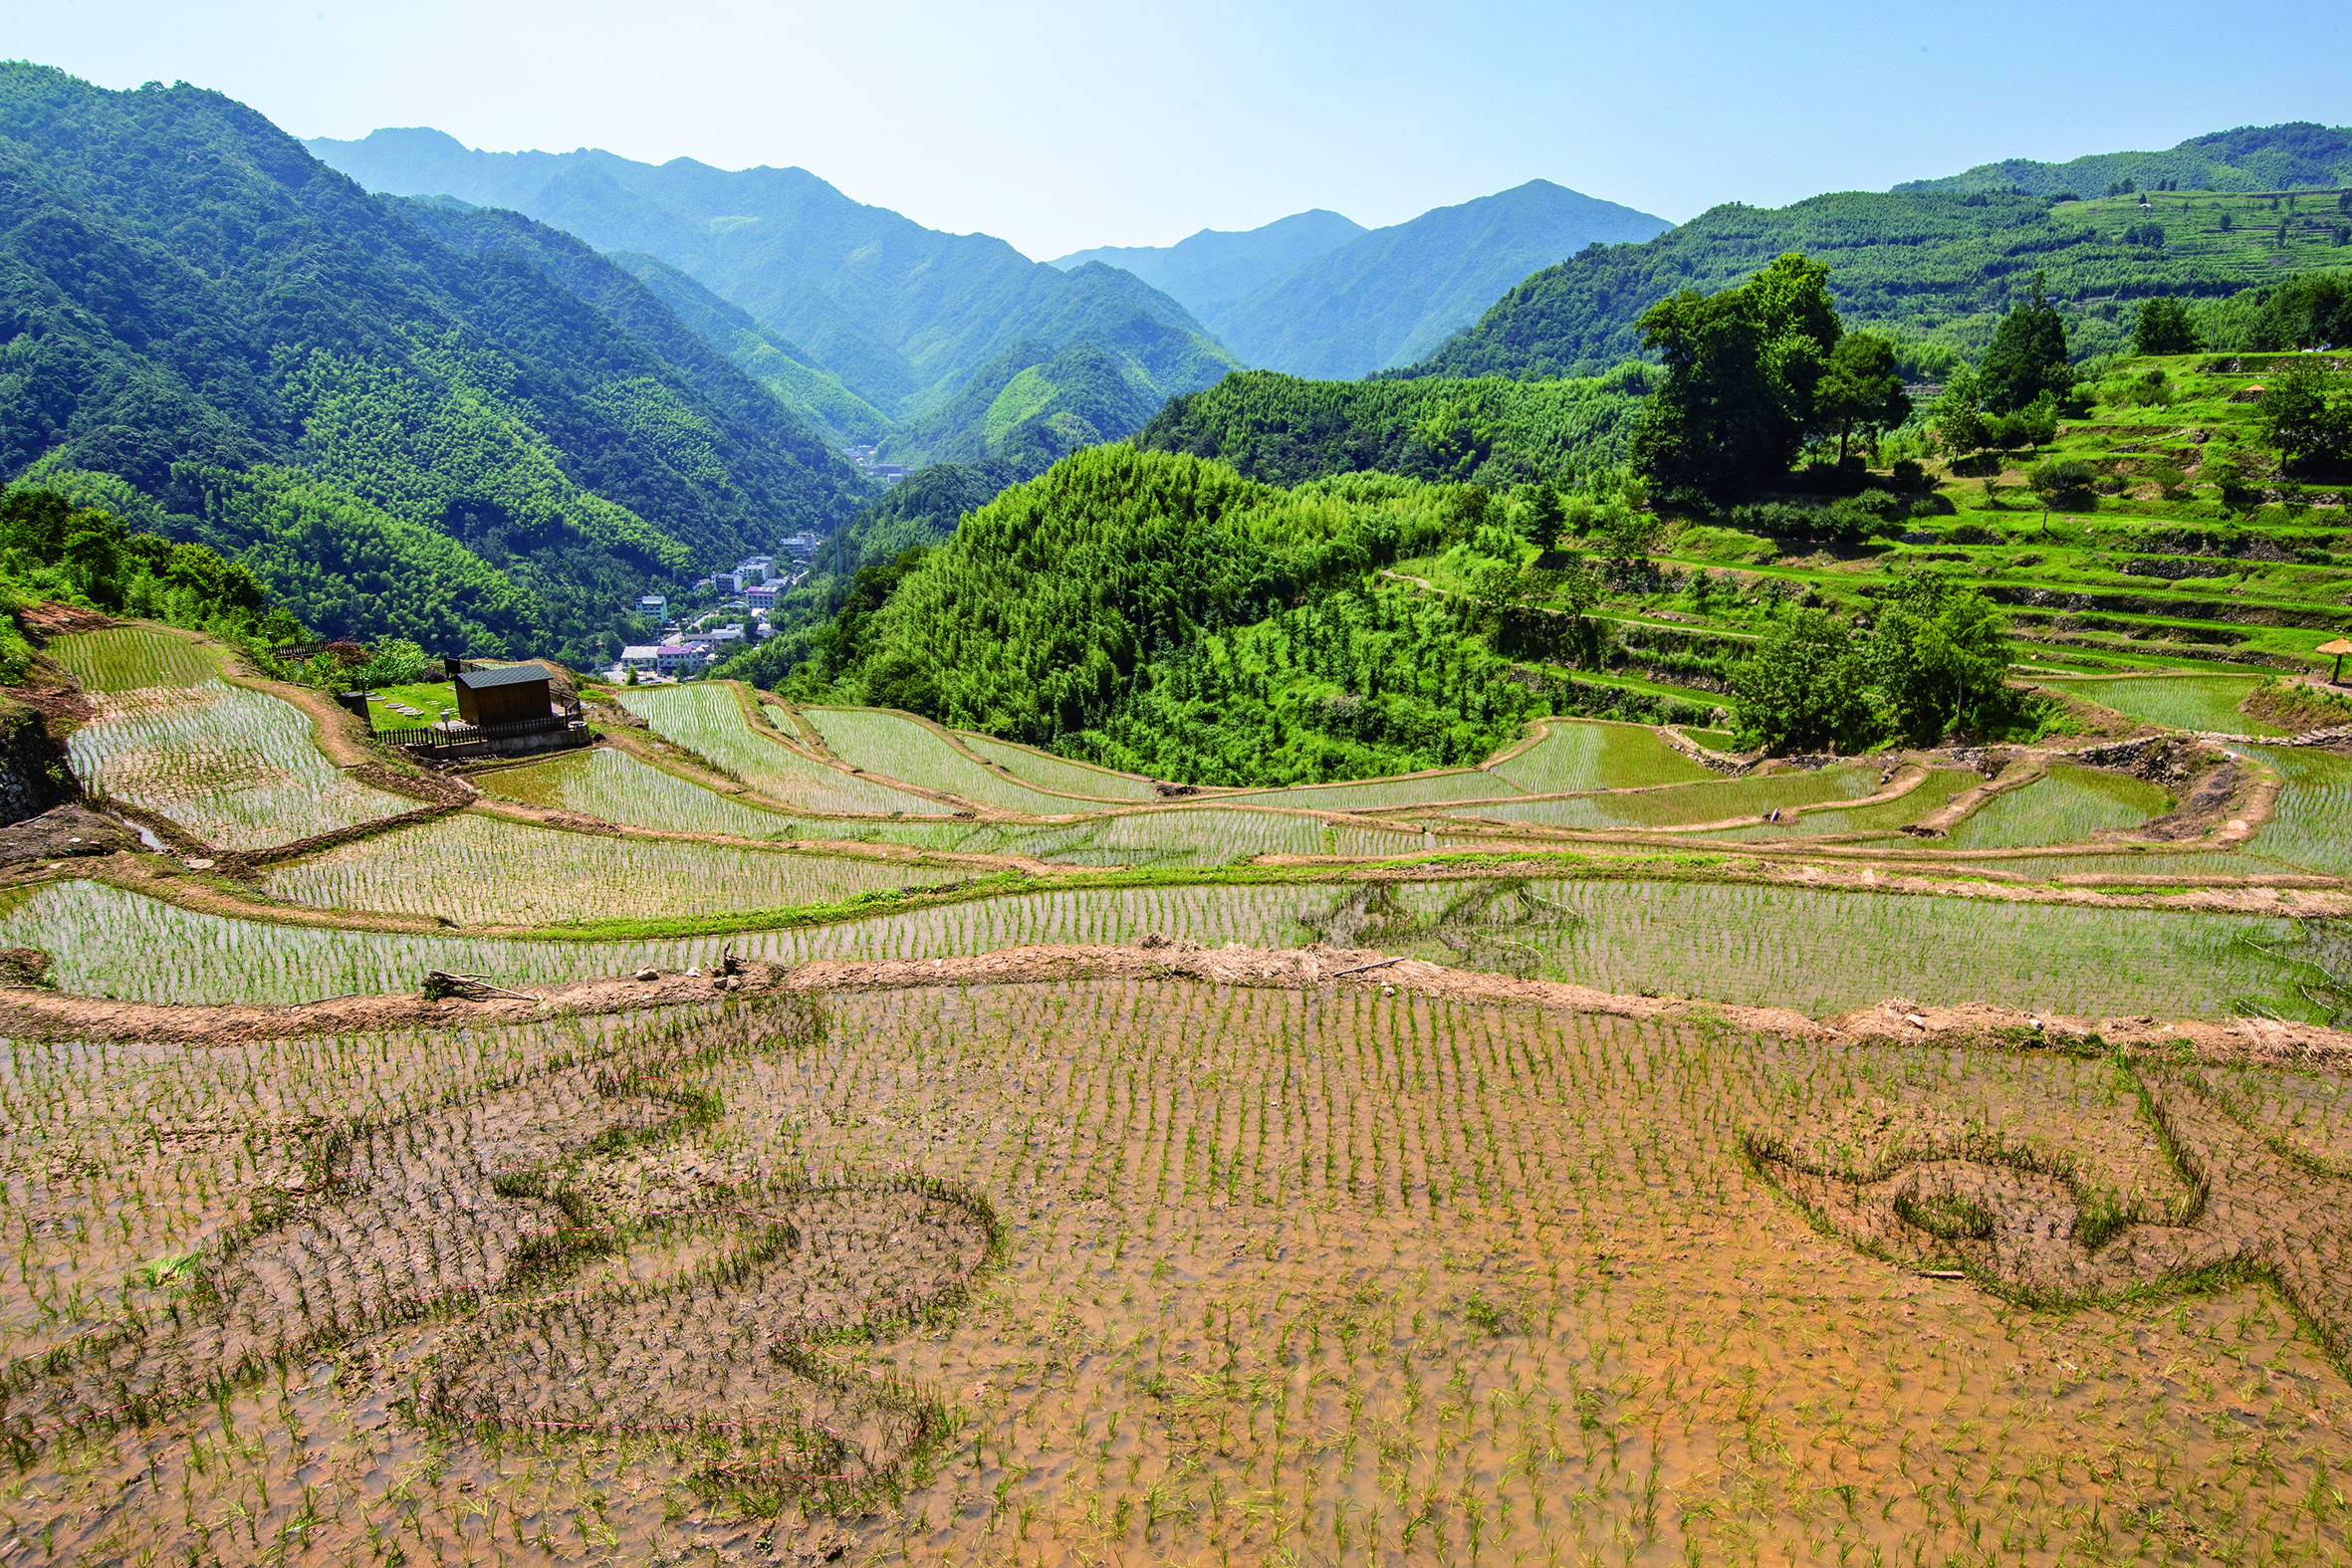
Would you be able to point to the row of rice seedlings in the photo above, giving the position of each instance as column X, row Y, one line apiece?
column 235, row 768
column 1411, row 1280
column 1821, row 953
column 1057, row 774
column 1932, row 793
column 898, row 747
column 1825, row 953
column 1679, row 805
column 482, row 870
column 707, row 719
column 2311, row 822
column 1373, row 795
column 1592, row 754
column 2154, row 865
column 1183, row 836
column 106, row 942
column 613, row 787
column 2305, row 1114
column 2065, row 806
column 2184, row 702
column 123, row 658
column 1418, row 1279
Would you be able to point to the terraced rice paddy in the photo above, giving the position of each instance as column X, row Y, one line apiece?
column 235, row 768
column 2205, row 703
column 1188, row 836
column 1254, row 1270
column 1682, row 805
column 1594, row 755
column 1817, row 952
column 2070, row 806
column 613, row 787
column 484, row 871
column 2312, row 823
column 1930, row 794
column 708, row 720
column 1055, row 774
column 1461, row 784
column 904, row 748
column 122, row 658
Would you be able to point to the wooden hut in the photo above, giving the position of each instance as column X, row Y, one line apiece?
column 504, row 694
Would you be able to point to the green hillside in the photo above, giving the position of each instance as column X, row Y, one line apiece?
column 1493, row 431
column 791, row 373
column 2250, row 158
column 1934, row 269
column 1160, row 613
column 215, row 337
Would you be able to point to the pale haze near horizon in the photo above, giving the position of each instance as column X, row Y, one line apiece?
column 1064, row 127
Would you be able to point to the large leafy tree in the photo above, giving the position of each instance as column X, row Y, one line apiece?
column 2301, row 420
column 1743, row 369
column 1939, row 656
column 1803, row 688
column 2027, row 356
column 1860, row 393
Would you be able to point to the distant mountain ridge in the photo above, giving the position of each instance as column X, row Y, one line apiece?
column 1390, row 295
column 900, row 315
column 1216, row 267
column 2252, row 157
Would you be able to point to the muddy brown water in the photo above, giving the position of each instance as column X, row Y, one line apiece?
column 1283, row 1275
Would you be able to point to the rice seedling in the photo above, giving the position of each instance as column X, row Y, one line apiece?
column 1374, row 795
column 708, row 720
column 1680, row 804
column 898, row 747
column 1592, row 754
column 1817, row 952
column 614, row 787
column 2065, row 806
column 2184, row 702
column 235, row 768
column 123, row 658
column 1189, row 837
column 1055, row 774
column 482, row 870
column 1825, row 953
column 2311, row 822
column 1386, row 1279
column 1930, row 794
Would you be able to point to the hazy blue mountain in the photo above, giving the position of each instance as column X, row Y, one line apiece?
column 2252, row 157
column 902, row 315
column 1216, row 267
column 1390, row 295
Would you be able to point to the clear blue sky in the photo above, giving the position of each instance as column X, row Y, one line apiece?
column 1063, row 126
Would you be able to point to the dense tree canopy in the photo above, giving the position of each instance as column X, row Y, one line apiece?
column 1743, row 367
column 2027, row 359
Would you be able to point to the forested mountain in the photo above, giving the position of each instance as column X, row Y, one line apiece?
column 1934, row 269
column 1217, row 267
column 1390, row 295
column 2252, row 157
column 220, row 338
column 791, row 373
column 902, row 315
